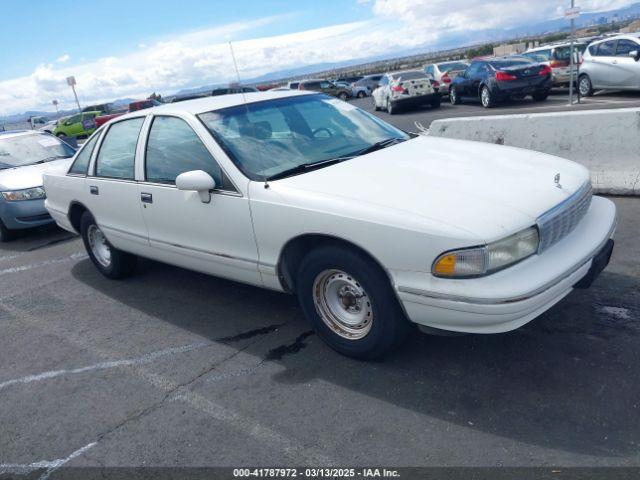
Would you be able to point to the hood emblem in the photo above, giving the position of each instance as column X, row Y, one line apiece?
column 556, row 180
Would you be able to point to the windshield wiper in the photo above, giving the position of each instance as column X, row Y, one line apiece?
column 306, row 167
column 377, row 146
column 49, row 159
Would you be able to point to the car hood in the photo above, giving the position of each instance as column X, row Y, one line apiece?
column 486, row 190
column 31, row 175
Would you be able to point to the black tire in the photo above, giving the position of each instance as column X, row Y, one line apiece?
column 121, row 265
column 343, row 96
column 60, row 134
column 540, row 96
column 361, row 94
column 486, row 97
column 5, row 233
column 436, row 101
column 388, row 326
column 585, row 87
column 390, row 108
column 454, row 98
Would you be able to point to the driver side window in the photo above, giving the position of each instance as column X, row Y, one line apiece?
column 174, row 148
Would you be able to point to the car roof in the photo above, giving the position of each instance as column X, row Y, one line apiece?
column 549, row 46
column 19, row 133
column 622, row 36
column 208, row 104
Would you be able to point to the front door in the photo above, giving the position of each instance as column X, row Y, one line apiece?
column 216, row 237
column 626, row 73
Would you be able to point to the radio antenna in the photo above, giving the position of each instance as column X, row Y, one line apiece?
column 244, row 100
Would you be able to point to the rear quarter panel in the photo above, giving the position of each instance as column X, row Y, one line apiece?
column 62, row 190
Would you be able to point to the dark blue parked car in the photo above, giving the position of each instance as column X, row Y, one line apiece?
column 494, row 80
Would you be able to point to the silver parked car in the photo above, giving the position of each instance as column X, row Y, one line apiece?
column 24, row 157
column 612, row 63
column 445, row 72
column 558, row 57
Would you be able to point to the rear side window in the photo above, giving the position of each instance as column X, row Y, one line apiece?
column 81, row 163
column 624, row 47
column 174, row 148
column 606, row 49
column 116, row 158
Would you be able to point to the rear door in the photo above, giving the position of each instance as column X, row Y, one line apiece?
column 112, row 191
column 215, row 237
column 603, row 65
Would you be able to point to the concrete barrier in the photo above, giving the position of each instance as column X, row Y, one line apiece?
column 607, row 142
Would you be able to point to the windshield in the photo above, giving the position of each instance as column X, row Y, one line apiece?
column 447, row 67
column 412, row 75
column 267, row 138
column 29, row 149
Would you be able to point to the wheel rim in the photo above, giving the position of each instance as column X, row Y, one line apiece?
column 452, row 95
column 584, row 86
column 389, row 106
column 343, row 304
column 485, row 97
column 99, row 246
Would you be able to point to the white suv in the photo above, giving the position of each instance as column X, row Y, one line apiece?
column 612, row 63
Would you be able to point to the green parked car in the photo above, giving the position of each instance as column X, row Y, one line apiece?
column 79, row 125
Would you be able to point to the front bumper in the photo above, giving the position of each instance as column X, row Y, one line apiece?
column 512, row 297
column 24, row 214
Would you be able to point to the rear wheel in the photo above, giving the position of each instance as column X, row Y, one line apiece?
column 110, row 261
column 453, row 96
column 584, row 86
column 390, row 108
column 361, row 94
column 487, row 98
column 60, row 134
column 540, row 96
column 343, row 96
column 350, row 303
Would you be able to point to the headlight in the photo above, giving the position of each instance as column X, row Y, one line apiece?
column 26, row 194
column 477, row 261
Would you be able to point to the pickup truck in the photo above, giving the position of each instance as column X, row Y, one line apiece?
column 133, row 107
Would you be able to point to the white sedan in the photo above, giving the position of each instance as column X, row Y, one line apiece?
column 372, row 229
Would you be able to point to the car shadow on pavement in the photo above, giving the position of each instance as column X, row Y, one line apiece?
column 568, row 380
column 32, row 239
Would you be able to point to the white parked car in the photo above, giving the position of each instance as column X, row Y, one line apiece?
column 373, row 230
column 445, row 72
column 410, row 88
column 356, row 91
column 613, row 63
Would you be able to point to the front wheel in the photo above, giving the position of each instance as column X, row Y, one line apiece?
column 584, row 86
column 5, row 233
column 348, row 300
column 343, row 96
column 487, row 98
column 60, row 134
column 361, row 94
column 110, row 261
column 435, row 102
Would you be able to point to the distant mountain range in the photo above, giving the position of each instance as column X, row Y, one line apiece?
column 457, row 40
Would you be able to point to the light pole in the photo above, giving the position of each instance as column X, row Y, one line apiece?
column 71, row 81
column 572, row 13
column 55, row 104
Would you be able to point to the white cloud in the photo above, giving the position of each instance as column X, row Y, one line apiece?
column 203, row 57
column 63, row 59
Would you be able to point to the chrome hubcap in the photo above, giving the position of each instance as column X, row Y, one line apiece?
column 584, row 86
column 99, row 246
column 343, row 304
column 452, row 96
column 485, row 97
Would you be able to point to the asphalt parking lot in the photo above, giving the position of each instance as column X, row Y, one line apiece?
column 556, row 102
column 174, row 368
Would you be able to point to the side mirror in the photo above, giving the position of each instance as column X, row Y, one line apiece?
column 635, row 54
column 197, row 181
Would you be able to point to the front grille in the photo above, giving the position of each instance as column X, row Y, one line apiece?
column 558, row 222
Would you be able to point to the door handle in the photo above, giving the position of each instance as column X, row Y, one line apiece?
column 93, row 190
column 146, row 198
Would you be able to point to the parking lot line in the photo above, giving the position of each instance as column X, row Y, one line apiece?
column 144, row 359
column 44, row 263
column 49, row 465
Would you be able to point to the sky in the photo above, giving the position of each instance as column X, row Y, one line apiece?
column 119, row 48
